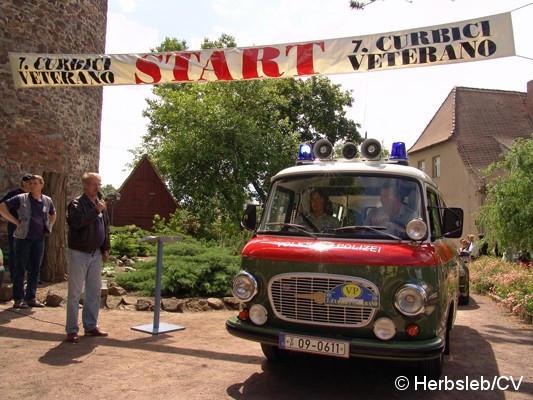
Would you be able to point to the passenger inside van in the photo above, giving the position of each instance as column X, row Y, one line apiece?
column 393, row 213
column 317, row 219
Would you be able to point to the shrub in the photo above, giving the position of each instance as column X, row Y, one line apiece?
column 125, row 242
column 510, row 281
column 181, row 221
column 190, row 269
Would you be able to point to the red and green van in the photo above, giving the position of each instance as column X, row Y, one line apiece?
column 351, row 258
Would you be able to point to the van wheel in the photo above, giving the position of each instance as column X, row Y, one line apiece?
column 464, row 300
column 273, row 353
column 447, row 343
column 431, row 368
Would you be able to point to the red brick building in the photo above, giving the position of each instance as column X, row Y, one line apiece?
column 142, row 195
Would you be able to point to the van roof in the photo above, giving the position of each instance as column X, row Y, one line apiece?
column 368, row 167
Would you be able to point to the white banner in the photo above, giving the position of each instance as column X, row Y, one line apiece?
column 473, row 40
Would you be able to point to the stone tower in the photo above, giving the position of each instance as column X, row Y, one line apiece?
column 49, row 129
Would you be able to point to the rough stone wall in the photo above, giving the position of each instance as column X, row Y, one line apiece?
column 49, row 129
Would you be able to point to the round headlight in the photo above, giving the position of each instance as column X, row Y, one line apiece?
column 258, row 314
column 411, row 300
column 244, row 286
column 416, row 229
column 384, row 328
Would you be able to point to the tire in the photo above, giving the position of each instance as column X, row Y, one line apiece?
column 464, row 300
column 431, row 369
column 447, row 348
column 273, row 353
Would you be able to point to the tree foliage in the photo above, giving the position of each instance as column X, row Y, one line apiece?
column 217, row 144
column 107, row 190
column 507, row 215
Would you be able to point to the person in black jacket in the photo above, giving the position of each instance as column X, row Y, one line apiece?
column 88, row 248
column 23, row 188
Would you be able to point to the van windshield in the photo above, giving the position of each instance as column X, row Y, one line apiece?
column 367, row 206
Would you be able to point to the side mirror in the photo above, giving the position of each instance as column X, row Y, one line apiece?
column 249, row 218
column 452, row 222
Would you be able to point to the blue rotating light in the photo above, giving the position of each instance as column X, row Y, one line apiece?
column 398, row 151
column 305, row 152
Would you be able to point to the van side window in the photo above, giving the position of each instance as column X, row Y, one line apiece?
column 281, row 210
column 434, row 214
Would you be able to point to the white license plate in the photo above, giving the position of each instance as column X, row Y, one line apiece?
column 309, row 344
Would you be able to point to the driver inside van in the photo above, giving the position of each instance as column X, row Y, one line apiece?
column 393, row 214
column 318, row 219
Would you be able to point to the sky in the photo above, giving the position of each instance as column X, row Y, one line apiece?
column 392, row 105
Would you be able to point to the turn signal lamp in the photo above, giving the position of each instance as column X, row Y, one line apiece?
column 305, row 152
column 243, row 314
column 412, row 330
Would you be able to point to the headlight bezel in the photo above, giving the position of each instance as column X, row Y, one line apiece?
column 240, row 292
column 416, row 229
column 419, row 296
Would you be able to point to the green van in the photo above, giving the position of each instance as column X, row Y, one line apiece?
column 351, row 258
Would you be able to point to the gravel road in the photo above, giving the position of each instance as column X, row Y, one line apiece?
column 203, row 361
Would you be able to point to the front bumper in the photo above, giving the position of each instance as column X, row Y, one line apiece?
column 412, row 350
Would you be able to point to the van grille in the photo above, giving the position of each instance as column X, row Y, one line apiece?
column 293, row 298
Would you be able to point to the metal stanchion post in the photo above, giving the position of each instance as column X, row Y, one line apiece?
column 157, row 328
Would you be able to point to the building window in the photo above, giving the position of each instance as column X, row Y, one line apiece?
column 422, row 165
column 436, row 167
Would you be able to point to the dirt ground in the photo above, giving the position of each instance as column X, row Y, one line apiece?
column 203, row 361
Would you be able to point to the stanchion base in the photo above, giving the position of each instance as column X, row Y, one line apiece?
column 163, row 328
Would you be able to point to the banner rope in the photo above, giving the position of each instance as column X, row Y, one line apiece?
column 524, row 6
column 516, row 9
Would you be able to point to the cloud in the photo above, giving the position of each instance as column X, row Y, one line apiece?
column 127, row 6
column 126, row 36
column 122, row 122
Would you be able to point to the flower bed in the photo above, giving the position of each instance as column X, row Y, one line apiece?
column 511, row 282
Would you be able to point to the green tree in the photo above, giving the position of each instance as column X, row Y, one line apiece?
column 507, row 215
column 217, row 144
column 107, row 190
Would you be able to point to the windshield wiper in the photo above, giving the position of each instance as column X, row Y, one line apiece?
column 299, row 228
column 377, row 229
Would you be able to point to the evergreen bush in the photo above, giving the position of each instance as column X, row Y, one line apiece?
column 190, row 269
column 125, row 242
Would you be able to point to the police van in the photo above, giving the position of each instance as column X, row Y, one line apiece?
column 351, row 257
